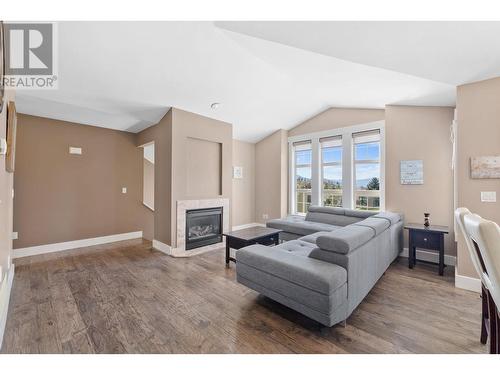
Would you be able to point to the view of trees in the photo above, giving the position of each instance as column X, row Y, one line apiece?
column 303, row 182
column 373, row 184
column 334, row 200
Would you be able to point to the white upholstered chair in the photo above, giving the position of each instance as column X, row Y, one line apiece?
column 459, row 217
column 485, row 237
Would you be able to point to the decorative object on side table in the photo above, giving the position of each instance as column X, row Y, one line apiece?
column 426, row 237
column 426, row 219
column 250, row 236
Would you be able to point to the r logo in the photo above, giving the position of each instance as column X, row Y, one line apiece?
column 29, row 49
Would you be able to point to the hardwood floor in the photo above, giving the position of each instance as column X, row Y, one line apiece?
column 127, row 298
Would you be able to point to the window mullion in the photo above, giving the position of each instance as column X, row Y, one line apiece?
column 316, row 173
column 347, row 172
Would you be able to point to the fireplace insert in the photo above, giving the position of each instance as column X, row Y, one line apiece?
column 203, row 227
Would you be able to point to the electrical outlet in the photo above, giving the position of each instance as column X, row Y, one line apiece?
column 124, row 190
column 265, row 216
column 14, row 235
column 75, row 150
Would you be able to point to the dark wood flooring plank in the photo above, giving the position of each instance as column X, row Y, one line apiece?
column 125, row 297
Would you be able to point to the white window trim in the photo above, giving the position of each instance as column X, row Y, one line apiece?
column 347, row 163
column 330, row 164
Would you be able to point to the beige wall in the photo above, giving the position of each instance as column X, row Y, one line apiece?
column 478, row 111
column 185, row 127
column 203, row 167
column 161, row 135
column 271, row 177
column 337, row 118
column 63, row 197
column 6, row 186
column 148, row 194
column 243, row 203
column 182, row 140
column 420, row 133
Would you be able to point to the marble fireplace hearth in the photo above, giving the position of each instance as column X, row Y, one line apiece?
column 184, row 205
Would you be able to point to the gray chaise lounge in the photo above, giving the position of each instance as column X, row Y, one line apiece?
column 324, row 274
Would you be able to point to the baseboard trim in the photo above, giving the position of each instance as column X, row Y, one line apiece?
column 249, row 225
column 467, row 283
column 430, row 256
column 69, row 245
column 4, row 300
column 160, row 246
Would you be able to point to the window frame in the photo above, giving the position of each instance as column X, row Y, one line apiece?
column 348, row 164
column 296, row 166
column 329, row 164
column 365, row 161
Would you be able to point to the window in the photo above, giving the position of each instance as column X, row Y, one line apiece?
column 148, row 180
column 303, row 168
column 367, row 170
column 331, row 171
column 338, row 168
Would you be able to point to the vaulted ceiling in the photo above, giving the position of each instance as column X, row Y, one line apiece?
column 265, row 75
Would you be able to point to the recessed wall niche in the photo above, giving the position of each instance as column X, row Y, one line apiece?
column 204, row 168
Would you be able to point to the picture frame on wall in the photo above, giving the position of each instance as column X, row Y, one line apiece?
column 2, row 65
column 485, row 167
column 412, row 172
column 11, row 137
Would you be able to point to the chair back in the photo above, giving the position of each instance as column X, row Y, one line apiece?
column 476, row 261
column 485, row 237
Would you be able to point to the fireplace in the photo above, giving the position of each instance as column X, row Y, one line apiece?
column 203, row 227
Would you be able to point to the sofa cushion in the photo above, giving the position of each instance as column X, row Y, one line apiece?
column 359, row 213
column 326, row 256
column 297, row 224
column 332, row 219
column 295, row 247
column 327, row 210
column 288, row 262
column 377, row 224
column 311, row 238
column 392, row 217
column 345, row 239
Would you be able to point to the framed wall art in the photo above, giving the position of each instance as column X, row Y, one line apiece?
column 485, row 167
column 412, row 172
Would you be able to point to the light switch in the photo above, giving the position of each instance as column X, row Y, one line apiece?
column 124, row 190
column 488, row 196
column 75, row 150
column 14, row 235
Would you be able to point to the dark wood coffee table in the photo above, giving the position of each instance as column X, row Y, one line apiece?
column 250, row 236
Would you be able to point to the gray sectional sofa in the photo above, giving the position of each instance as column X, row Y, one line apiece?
column 331, row 259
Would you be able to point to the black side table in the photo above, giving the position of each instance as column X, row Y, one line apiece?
column 430, row 238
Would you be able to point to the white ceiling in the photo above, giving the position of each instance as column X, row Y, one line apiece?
column 449, row 52
column 126, row 75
